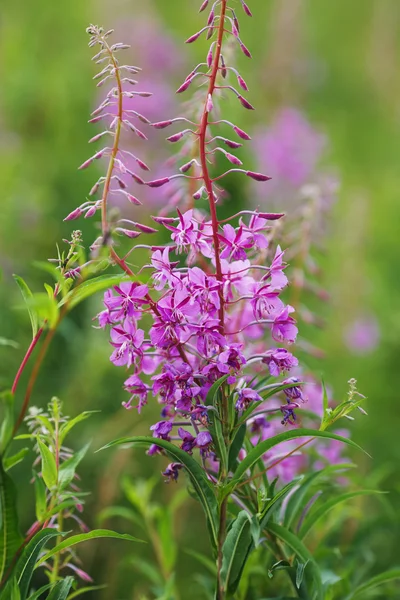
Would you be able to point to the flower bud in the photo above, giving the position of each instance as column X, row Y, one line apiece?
column 242, row 134
column 161, row 124
column 257, row 176
column 75, row 214
column 158, row 182
column 245, row 103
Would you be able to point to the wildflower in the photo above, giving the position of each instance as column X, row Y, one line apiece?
column 279, row 360
column 172, row 472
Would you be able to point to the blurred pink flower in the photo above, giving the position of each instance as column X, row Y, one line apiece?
column 363, row 335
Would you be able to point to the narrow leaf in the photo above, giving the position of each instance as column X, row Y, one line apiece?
column 320, row 512
column 15, row 459
column 374, row 582
column 297, row 500
column 49, row 467
column 83, row 537
column 235, row 551
column 10, row 537
column 66, row 427
column 27, row 561
column 236, row 446
column 202, row 486
column 266, row 445
column 67, row 469
column 27, row 296
column 91, row 287
column 84, row 590
column 297, row 546
column 61, row 589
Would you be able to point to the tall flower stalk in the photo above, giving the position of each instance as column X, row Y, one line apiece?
column 213, row 299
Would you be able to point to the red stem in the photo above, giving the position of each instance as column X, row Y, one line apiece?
column 25, row 359
column 203, row 156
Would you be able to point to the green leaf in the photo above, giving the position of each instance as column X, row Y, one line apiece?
column 204, row 560
column 266, row 445
column 11, row 343
column 83, row 537
column 236, row 446
column 28, row 559
column 202, row 486
column 275, row 502
column 297, row 546
column 7, row 425
column 10, row 537
column 215, row 423
column 382, row 578
column 235, row 551
column 40, row 591
column 67, row 469
column 15, row 459
column 61, row 589
column 66, row 427
column 49, row 467
column 40, row 497
column 297, row 499
column 84, row 590
column 45, row 308
column 320, row 512
column 27, row 296
column 88, row 288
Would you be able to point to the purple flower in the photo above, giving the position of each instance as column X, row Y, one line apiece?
column 203, row 442
column 295, row 392
column 188, row 440
column 279, row 360
column 172, row 472
column 130, row 297
column 283, row 327
column 127, row 341
column 162, row 429
column 137, row 388
column 245, row 397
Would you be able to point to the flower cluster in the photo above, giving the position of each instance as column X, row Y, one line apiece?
column 214, row 294
column 216, row 288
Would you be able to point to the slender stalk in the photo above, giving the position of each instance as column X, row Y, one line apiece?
column 22, row 366
column 203, row 155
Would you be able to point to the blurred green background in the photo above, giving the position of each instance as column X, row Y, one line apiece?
column 336, row 61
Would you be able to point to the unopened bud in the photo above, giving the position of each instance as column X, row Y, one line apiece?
column 245, row 103
column 75, row 214
column 242, row 134
column 257, row 176
column 158, row 182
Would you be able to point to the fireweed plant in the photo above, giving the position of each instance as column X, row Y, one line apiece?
column 212, row 350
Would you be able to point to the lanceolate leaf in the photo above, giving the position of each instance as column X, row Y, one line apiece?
column 66, row 427
column 215, row 423
column 266, row 445
column 68, row 467
column 202, row 486
column 27, row 561
column 88, row 288
column 84, row 590
column 61, row 589
column 298, row 498
column 15, row 459
column 10, row 537
column 7, row 414
column 49, row 467
column 305, row 556
column 375, row 582
column 236, row 446
column 27, row 296
column 320, row 512
column 275, row 502
column 235, row 551
column 83, row 537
